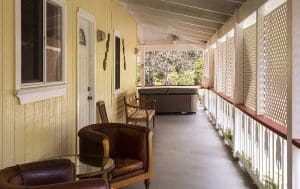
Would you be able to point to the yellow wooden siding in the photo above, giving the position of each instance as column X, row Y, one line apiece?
column 46, row 128
column 8, row 114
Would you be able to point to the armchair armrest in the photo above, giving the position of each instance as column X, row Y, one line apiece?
column 133, row 142
column 81, row 184
column 93, row 142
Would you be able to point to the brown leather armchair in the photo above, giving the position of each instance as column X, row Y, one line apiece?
column 50, row 174
column 129, row 145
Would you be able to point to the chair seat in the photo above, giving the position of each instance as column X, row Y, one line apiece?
column 141, row 114
column 125, row 166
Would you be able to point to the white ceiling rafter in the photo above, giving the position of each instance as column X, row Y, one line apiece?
column 179, row 10
column 222, row 7
column 174, row 23
column 193, row 21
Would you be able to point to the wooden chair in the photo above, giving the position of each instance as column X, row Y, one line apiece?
column 138, row 110
column 102, row 111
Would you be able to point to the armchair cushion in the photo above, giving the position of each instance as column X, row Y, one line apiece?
column 126, row 165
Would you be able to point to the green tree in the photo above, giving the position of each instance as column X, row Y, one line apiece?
column 199, row 68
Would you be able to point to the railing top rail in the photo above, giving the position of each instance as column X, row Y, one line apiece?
column 277, row 128
column 296, row 142
column 226, row 98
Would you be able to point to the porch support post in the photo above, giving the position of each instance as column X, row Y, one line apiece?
column 219, row 68
column 211, row 67
column 238, row 88
column 293, row 93
column 239, row 78
column 260, row 64
column 215, row 54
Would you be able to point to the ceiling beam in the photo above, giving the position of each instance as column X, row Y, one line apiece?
column 158, row 21
column 189, row 33
column 181, row 34
column 179, row 10
column 226, row 7
column 173, row 47
column 176, row 28
column 144, row 12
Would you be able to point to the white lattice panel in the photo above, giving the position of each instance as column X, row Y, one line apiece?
column 230, row 67
column 249, row 67
column 275, row 35
column 224, row 67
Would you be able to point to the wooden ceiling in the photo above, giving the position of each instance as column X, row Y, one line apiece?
column 183, row 21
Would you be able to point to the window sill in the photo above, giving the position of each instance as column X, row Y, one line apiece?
column 29, row 95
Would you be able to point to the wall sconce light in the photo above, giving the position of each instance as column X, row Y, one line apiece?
column 100, row 35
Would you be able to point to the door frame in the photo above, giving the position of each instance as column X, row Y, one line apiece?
column 82, row 14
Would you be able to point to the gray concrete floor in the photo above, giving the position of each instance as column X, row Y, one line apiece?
column 188, row 153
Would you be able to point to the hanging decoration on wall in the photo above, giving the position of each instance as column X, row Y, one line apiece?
column 124, row 57
column 106, row 51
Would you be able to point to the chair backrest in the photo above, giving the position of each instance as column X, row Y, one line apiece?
column 130, row 99
column 102, row 111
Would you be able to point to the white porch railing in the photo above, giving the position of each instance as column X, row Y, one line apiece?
column 259, row 143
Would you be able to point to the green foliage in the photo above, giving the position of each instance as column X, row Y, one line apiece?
column 270, row 183
column 199, row 68
column 228, row 134
column 173, row 67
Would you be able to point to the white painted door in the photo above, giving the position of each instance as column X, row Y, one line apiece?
column 84, row 81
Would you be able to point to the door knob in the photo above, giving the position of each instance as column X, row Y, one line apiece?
column 90, row 98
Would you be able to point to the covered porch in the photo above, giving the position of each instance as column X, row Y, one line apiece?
column 58, row 58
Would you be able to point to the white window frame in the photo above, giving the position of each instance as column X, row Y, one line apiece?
column 31, row 92
column 117, row 92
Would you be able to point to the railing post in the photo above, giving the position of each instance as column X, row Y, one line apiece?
column 293, row 93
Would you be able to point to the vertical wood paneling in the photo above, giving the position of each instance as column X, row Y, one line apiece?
column 47, row 128
column 29, row 132
column 52, row 126
column 38, row 120
column 1, row 75
column 58, row 138
column 19, row 133
column 46, row 142
column 8, row 74
column 63, row 124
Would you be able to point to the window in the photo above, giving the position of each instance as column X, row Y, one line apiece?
column 117, row 62
column 40, row 49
